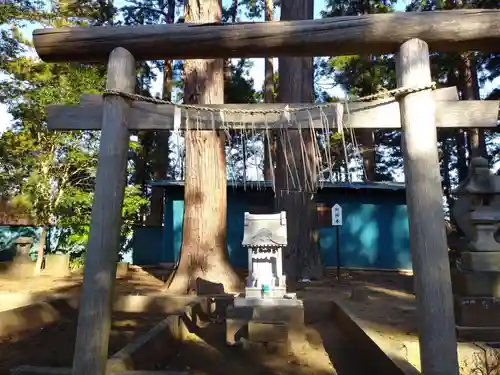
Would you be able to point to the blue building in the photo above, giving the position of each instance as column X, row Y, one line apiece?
column 374, row 234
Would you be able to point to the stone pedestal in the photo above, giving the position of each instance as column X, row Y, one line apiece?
column 264, row 321
column 266, row 315
column 57, row 265
column 476, row 281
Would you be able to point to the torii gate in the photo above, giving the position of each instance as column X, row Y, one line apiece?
column 410, row 35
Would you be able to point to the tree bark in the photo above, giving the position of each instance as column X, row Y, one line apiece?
column 269, row 137
column 470, row 91
column 203, row 253
column 40, row 251
column 367, row 145
column 302, row 257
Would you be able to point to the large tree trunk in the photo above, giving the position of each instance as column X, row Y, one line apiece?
column 204, row 254
column 269, row 137
column 302, row 258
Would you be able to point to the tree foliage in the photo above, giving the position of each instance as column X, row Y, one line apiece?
column 50, row 175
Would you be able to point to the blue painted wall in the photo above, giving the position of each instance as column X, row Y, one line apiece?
column 374, row 232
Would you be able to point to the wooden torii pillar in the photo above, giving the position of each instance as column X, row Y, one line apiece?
column 417, row 114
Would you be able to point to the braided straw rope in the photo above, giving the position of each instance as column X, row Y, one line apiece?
column 396, row 93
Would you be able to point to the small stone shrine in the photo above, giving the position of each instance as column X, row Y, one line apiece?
column 266, row 313
column 476, row 281
column 264, row 237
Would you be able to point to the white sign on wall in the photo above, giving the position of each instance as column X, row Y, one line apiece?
column 337, row 215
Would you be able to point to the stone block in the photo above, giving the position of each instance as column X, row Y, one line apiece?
column 236, row 329
column 206, row 287
column 245, row 302
column 195, row 315
column 292, row 315
column 40, row 370
column 216, row 306
column 477, row 311
column 474, row 334
column 261, row 331
column 122, row 269
column 481, row 261
column 256, row 293
column 476, row 284
column 485, row 238
column 57, row 265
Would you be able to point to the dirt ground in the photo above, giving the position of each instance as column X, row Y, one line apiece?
column 207, row 354
column 383, row 303
column 135, row 281
column 320, row 351
column 54, row 345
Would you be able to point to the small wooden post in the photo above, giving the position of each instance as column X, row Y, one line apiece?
column 436, row 322
column 94, row 320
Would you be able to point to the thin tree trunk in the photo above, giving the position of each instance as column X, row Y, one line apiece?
column 470, row 91
column 446, row 171
column 302, row 258
column 367, row 150
column 161, row 156
column 245, row 158
column 203, row 253
column 461, row 165
column 269, row 144
column 461, row 155
column 40, row 251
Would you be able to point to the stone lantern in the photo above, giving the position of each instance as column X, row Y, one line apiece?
column 477, row 278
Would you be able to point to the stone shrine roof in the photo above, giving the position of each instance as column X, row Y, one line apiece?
column 265, row 230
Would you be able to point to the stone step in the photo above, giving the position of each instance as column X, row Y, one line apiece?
column 477, row 311
column 476, row 284
column 481, row 334
column 43, row 370
column 40, row 370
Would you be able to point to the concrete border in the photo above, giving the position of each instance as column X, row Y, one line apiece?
column 384, row 360
column 169, row 333
column 52, row 308
column 36, row 315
